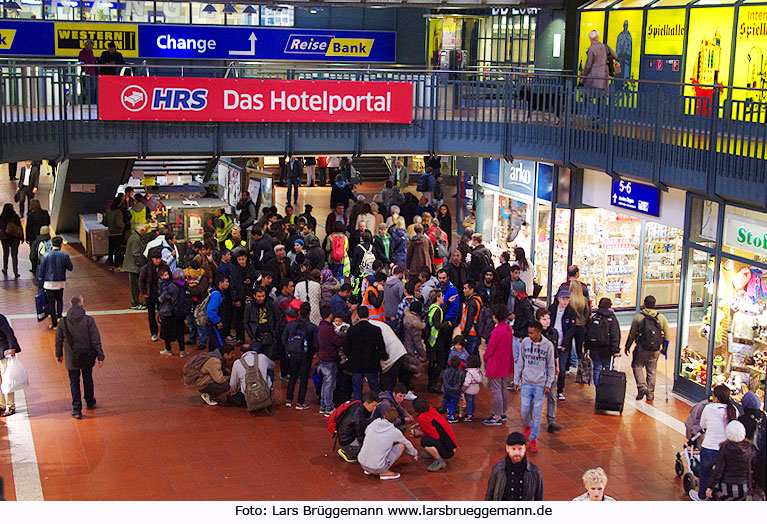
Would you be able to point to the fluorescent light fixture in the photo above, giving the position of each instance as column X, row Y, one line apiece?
column 12, row 6
column 250, row 10
column 229, row 9
column 209, row 9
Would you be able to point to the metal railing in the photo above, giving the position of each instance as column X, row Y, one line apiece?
column 631, row 127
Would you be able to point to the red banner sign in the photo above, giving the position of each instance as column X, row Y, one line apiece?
column 251, row 100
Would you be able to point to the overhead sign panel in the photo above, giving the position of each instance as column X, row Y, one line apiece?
column 637, row 197
column 33, row 38
column 250, row 100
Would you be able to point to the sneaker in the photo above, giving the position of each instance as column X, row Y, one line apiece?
column 510, row 386
column 91, row 405
column 77, row 414
column 285, row 378
column 166, row 353
column 182, row 354
column 201, row 347
column 327, row 414
column 288, row 403
column 553, row 427
column 492, row 421
column 52, row 327
column 347, row 459
column 527, row 431
column 694, row 495
column 452, row 419
column 561, row 396
column 393, row 476
column 503, row 418
column 425, row 454
column 650, row 398
column 437, row 465
column 322, row 411
column 208, row 399
column 301, row 407
column 533, row 446
column 189, row 342
column 468, row 418
column 136, row 307
column 641, row 394
column 410, row 396
column 141, row 307
column 154, row 338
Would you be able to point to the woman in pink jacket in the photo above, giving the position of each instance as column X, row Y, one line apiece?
column 499, row 364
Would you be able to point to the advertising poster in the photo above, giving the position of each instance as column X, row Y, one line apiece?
column 750, row 59
column 624, row 30
column 708, row 49
column 664, row 46
column 71, row 36
column 589, row 20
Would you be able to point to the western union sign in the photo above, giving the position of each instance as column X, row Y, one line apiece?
column 70, row 38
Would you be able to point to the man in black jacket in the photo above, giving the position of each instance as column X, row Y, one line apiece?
column 264, row 322
column 562, row 319
column 488, row 289
column 515, row 478
column 148, row 283
column 602, row 353
column 351, row 428
column 75, row 335
column 480, row 258
column 295, row 171
column 457, row 272
column 241, row 283
column 29, row 180
column 364, row 347
column 247, row 210
column 9, row 346
column 301, row 341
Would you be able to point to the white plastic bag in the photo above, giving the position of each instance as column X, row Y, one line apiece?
column 15, row 376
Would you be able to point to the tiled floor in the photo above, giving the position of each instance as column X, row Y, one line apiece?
column 151, row 438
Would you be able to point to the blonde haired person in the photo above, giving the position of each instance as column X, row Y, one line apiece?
column 595, row 482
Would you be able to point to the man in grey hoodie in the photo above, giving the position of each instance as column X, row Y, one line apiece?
column 383, row 446
column 535, row 371
column 394, row 290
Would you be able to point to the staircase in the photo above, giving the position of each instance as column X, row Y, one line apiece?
column 371, row 168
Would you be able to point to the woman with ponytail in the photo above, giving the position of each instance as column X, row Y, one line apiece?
column 713, row 420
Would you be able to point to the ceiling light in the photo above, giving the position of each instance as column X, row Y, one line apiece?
column 250, row 10
column 229, row 9
column 12, row 6
column 209, row 9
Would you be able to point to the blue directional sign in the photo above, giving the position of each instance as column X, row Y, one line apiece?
column 641, row 198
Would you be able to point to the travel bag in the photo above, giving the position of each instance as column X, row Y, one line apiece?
column 611, row 390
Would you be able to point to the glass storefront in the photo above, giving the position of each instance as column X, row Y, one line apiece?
column 723, row 331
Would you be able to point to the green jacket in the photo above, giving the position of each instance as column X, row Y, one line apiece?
column 115, row 221
column 638, row 322
column 437, row 190
column 135, row 245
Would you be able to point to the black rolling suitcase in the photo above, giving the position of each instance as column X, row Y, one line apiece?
column 611, row 391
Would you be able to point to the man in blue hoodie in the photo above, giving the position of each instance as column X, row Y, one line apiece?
column 218, row 336
column 51, row 277
column 452, row 302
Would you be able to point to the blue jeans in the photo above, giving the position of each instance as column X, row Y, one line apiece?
column 472, row 344
column 338, row 272
column 451, row 404
column 599, row 365
column 469, row 404
column 707, row 460
column 573, row 358
column 293, row 183
column 197, row 333
column 357, row 378
column 328, row 372
column 532, row 396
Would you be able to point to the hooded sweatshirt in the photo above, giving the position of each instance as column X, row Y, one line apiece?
column 394, row 290
column 535, row 365
column 380, row 437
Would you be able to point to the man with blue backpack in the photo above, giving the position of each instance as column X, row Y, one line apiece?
column 301, row 341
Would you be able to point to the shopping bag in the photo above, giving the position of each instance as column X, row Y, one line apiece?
column 585, row 372
column 14, row 377
column 40, row 305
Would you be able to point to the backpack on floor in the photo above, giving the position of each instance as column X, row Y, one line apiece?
column 650, row 336
column 257, row 392
column 598, row 331
column 337, row 414
column 193, row 368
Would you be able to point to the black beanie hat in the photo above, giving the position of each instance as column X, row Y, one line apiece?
column 516, row 439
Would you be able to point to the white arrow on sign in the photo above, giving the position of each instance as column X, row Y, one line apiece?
column 251, row 52
column 615, row 198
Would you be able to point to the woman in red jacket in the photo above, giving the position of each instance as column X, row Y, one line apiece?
column 499, row 364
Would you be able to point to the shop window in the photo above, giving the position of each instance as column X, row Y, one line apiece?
column 740, row 349
column 542, row 238
column 58, row 10
column 136, row 11
column 100, row 11
column 745, row 234
column 201, row 16
column 277, row 16
column 561, row 246
column 703, row 221
column 606, row 249
column 173, row 12
column 695, row 312
column 662, row 265
column 511, row 226
column 30, row 9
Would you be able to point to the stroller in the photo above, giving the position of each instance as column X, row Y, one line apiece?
column 687, row 463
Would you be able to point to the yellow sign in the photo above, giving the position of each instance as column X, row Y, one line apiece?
column 590, row 20
column 71, row 36
column 624, row 29
column 708, row 48
column 350, row 47
column 751, row 54
column 665, row 32
column 6, row 38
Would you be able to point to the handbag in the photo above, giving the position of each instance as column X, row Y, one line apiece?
column 17, row 196
column 15, row 377
column 82, row 358
column 41, row 302
column 14, row 230
column 585, row 371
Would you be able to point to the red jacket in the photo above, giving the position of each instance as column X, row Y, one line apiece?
column 425, row 421
column 499, row 360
